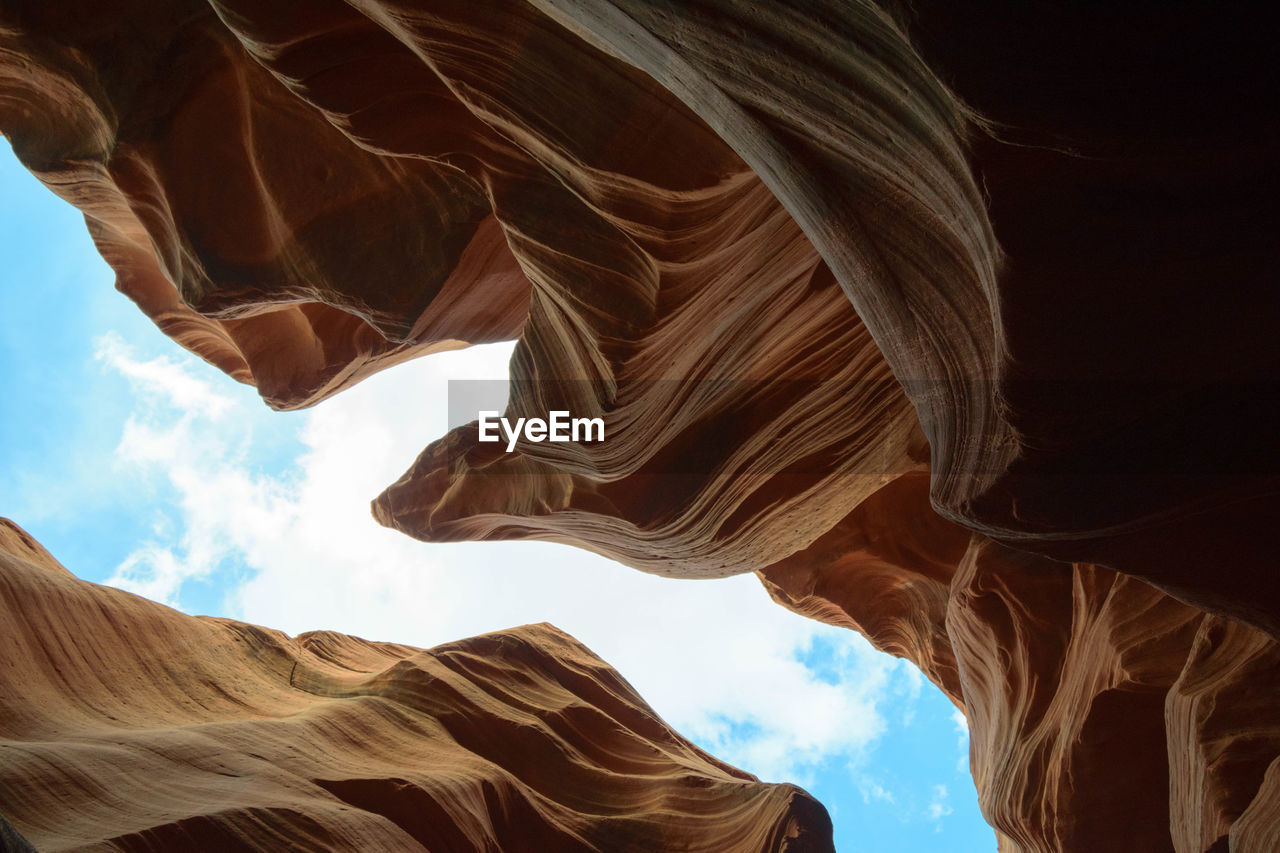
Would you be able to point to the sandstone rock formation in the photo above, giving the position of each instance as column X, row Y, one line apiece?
column 1104, row 714
column 126, row 725
column 957, row 327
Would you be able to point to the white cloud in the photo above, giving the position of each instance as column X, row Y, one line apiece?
column 872, row 790
column 153, row 572
column 938, row 806
column 717, row 659
column 160, row 377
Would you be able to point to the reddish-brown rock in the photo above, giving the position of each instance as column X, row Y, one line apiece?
column 382, row 180
column 1104, row 714
column 866, row 299
column 126, row 725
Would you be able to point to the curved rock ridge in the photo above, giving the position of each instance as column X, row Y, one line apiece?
column 1103, row 713
column 865, row 296
column 634, row 229
column 650, row 191
column 125, row 725
column 637, row 227
column 290, row 258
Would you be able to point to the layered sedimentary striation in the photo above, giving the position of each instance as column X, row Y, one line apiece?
column 126, row 725
column 644, row 189
column 1146, row 723
column 920, row 314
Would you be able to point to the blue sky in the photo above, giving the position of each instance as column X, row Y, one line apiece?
column 140, row 466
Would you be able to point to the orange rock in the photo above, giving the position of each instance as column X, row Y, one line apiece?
column 128, row 724
column 849, row 327
column 1103, row 713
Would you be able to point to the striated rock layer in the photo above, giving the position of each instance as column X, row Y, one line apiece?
column 646, row 191
column 1103, row 713
column 125, row 725
column 867, row 298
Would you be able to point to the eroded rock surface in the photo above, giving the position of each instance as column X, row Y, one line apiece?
column 126, row 725
column 957, row 326
column 1145, row 723
column 645, row 190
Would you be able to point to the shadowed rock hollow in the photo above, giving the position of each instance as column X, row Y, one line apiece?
column 955, row 326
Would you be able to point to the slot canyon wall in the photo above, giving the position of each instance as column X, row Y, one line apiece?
column 956, row 327
column 141, row 728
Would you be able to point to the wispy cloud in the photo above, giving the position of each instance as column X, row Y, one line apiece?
column 938, row 807
column 180, row 430
column 873, row 791
column 160, row 379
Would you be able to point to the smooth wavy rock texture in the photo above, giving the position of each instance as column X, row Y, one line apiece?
column 1146, row 724
column 126, row 725
column 956, row 325
column 308, row 192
